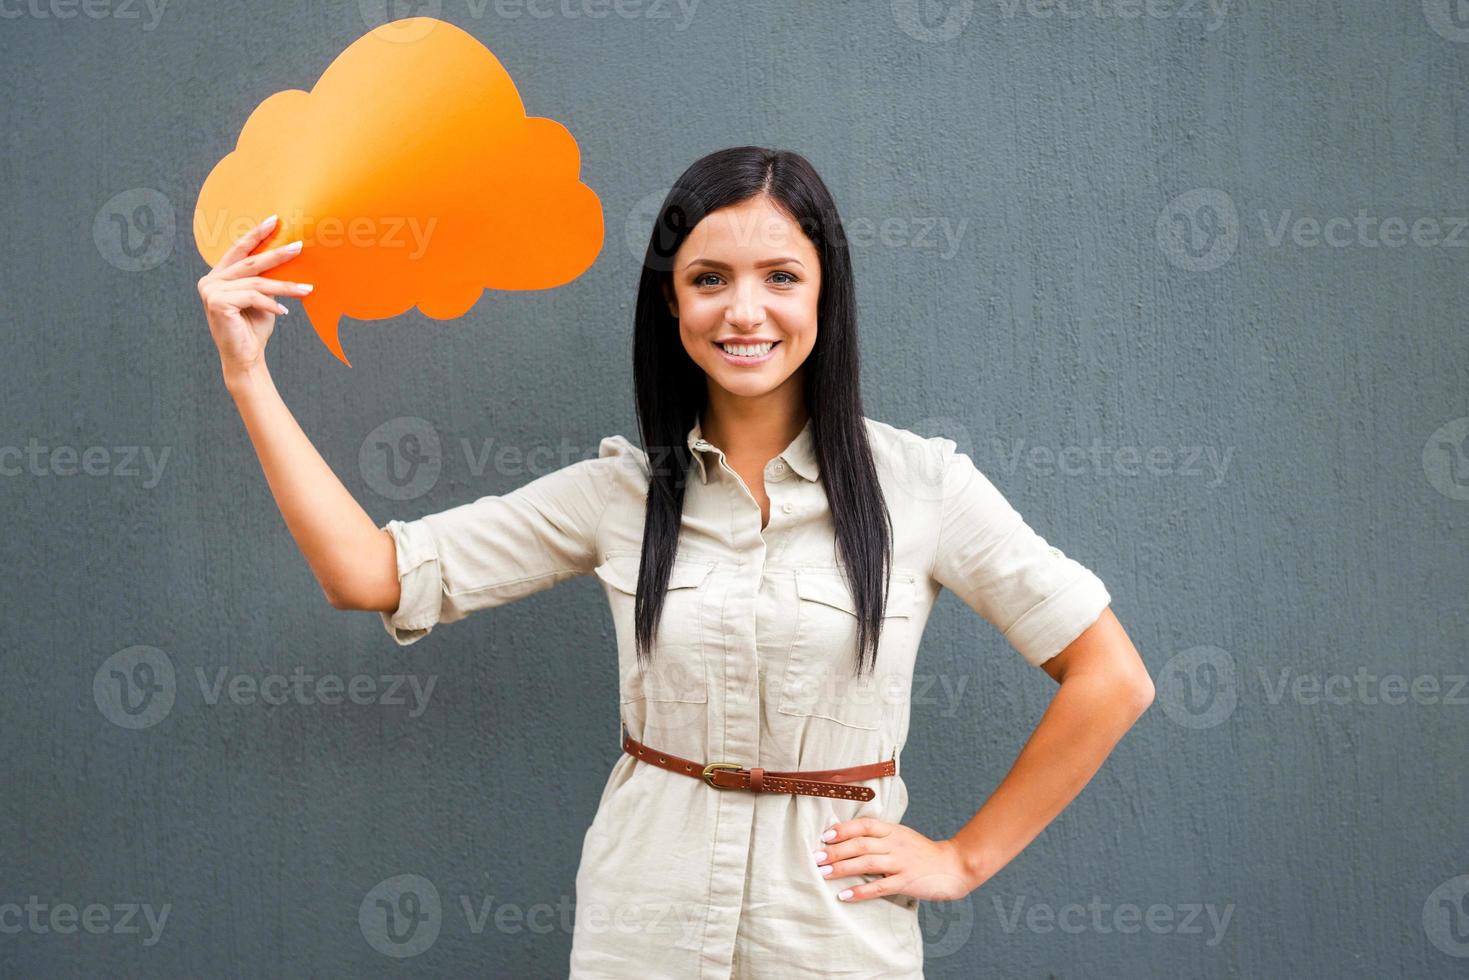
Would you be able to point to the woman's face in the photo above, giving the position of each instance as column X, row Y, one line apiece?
column 746, row 283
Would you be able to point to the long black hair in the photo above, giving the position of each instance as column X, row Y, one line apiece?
column 671, row 388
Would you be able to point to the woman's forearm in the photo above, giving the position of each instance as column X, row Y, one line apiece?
column 353, row 559
column 1087, row 716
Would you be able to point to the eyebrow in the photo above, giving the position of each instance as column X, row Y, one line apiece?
column 712, row 263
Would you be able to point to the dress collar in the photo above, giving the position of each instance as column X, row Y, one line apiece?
column 800, row 454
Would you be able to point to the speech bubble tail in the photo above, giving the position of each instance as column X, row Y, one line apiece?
column 327, row 323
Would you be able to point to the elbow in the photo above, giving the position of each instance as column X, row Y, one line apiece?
column 1140, row 694
column 338, row 598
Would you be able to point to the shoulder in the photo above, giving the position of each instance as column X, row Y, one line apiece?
column 926, row 467
column 907, row 448
column 623, row 463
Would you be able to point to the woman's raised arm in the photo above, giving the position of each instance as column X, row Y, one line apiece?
column 354, row 560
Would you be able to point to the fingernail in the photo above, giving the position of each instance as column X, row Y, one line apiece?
column 269, row 221
column 293, row 247
column 304, row 287
column 829, row 835
column 820, row 856
column 844, row 894
column 283, row 310
column 825, row 870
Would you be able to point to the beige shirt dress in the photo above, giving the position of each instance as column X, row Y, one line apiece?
column 753, row 665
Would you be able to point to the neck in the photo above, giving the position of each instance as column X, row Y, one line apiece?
column 758, row 427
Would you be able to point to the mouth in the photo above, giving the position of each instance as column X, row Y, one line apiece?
column 747, row 354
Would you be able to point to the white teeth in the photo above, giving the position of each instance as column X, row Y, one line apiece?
column 748, row 350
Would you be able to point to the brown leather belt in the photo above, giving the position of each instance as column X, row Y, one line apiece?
column 731, row 775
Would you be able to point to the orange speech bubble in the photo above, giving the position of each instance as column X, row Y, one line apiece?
column 413, row 176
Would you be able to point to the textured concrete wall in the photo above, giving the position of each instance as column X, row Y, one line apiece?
column 1189, row 282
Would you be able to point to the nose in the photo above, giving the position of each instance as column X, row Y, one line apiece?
column 745, row 311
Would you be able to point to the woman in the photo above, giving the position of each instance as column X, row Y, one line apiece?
column 770, row 558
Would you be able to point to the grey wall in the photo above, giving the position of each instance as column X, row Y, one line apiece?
column 1283, row 779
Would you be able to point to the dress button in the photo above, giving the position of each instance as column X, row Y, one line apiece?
column 787, row 508
column 777, row 467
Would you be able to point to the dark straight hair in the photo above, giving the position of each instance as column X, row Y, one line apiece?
column 672, row 391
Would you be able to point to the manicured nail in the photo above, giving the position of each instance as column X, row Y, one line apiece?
column 304, row 287
column 293, row 247
column 283, row 310
column 825, row 870
column 829, row 835
column 844, row 894
column 820, row 856
column 269, row 221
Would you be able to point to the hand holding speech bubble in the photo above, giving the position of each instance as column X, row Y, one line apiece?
column 413, row 176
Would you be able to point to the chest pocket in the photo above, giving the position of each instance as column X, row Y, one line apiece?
column 820, row 676
column 676, row 671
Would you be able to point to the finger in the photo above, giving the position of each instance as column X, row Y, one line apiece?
column 264, row 260
column 864, row 864
column 853, row 847
column 861, row 826
column 890, row 885
column 245, row 299
column 246, row 243
column 275, row 287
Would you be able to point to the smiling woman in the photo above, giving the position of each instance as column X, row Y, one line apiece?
column 770, row 556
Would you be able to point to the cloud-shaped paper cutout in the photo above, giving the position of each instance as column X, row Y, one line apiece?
column 414, row 177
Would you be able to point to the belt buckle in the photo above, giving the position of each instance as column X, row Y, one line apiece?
column 709, row 772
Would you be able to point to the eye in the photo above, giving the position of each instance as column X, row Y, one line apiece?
column 699, row 280
column 793, row 279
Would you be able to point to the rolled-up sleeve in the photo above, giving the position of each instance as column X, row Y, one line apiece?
column 497, row 549
column 1036, row 596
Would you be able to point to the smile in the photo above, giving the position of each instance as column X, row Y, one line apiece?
column 744, row 354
